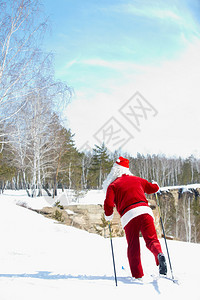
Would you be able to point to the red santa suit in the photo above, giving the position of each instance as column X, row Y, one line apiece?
column 127, row 194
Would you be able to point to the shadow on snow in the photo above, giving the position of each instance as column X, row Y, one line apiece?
column 49, row 276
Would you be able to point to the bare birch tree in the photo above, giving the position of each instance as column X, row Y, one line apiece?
column 20, row 33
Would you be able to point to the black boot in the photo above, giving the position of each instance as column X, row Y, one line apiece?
column 162, row 264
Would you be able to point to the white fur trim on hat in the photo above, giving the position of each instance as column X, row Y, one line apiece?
column 116, row 171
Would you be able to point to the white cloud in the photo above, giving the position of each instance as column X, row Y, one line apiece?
column 71, row 63
column 149, row 11
column 114, row 64
column 172, row 88
column 176, row 12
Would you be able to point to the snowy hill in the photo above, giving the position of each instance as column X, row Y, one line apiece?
column 40, row 259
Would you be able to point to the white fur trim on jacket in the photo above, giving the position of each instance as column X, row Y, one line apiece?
column 109, row 218
column 135, row 212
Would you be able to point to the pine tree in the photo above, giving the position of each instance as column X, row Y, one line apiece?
column 69, row 173
column 186, row 172
column 7, row 171
column 101, row 164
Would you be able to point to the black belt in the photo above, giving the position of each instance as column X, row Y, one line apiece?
column 131, row 205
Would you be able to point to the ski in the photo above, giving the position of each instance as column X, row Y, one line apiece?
column 157, row 277
column 130, row 278
column 148, row 278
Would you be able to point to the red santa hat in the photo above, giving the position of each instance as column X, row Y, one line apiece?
column 123, row 162
column 120, row 167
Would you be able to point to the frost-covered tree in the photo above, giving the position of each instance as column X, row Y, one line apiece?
column 20, row 57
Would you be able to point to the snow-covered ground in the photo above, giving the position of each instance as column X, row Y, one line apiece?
column 69, row 197
column 40, row 259
column 184, row 188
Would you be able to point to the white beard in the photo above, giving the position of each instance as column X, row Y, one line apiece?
column 116, row 171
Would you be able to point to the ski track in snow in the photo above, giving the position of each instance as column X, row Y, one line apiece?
column 40, row 259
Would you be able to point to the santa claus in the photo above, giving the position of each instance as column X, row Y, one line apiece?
column 126, row 192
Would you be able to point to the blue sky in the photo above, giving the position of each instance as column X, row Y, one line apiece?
column 109, row 50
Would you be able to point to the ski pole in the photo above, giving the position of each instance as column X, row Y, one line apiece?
column 112, row 253
column 164, row 236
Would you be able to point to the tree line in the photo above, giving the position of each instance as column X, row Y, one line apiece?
column 180, row 212
column 46, row 157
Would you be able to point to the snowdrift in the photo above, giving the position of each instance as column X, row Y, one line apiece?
column 40, row 259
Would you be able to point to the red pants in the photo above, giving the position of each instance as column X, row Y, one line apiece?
column 144, row 224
